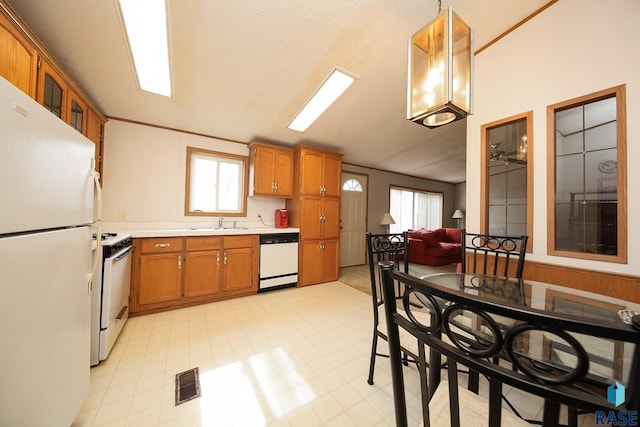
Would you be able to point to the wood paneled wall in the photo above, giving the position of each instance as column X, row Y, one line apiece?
column 622, row 286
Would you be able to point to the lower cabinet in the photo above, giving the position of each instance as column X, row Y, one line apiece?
column 175, row 272
column 319, row 261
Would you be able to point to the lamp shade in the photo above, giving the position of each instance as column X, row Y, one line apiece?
column 458, row 214
column 440, row 71
column 387, row 219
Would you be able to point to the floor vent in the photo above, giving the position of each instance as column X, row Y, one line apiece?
column 187, row 386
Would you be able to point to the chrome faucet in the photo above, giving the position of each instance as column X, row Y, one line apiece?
column 220, row 222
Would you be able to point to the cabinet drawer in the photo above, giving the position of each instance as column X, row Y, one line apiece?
column 238, row 241
column 161, row 245
column 203, row 243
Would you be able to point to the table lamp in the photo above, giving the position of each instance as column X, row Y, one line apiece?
column 459, row 215
column 387, row 219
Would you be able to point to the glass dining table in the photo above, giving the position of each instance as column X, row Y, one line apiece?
column 610, row 359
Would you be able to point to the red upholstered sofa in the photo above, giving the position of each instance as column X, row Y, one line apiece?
column 435, row 247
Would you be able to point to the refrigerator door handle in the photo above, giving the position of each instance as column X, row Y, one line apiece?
column 96, row 259
column 96, row 181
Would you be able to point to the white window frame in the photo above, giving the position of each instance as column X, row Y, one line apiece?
column 411, row 218
column 192, row 181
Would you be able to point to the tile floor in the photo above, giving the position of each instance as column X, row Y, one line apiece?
column 294, row 357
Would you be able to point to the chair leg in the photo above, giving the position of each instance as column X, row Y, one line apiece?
column 374, row 347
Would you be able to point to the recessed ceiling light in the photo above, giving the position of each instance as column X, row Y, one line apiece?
column 145, row 22
column 338, row 81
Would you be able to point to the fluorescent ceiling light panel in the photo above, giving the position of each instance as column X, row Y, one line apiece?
column 145, row 22
column 335, row 85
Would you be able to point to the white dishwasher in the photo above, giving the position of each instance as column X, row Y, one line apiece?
column 278, row 261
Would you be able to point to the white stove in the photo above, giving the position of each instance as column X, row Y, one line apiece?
column 110, row 293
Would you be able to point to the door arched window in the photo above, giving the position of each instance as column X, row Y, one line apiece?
column 352, row 185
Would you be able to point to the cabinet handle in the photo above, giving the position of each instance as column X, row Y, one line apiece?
column 225, row 258
column 180, row 262
column 322, row 246
column 162, row 245
column 273, row 187
column 276, row 184
column 322, row 189
column 218, row 259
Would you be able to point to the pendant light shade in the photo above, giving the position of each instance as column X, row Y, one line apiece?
column 440, row 71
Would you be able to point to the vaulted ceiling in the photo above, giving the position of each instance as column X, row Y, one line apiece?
column 241, row 69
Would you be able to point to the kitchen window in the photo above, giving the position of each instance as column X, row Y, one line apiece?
column 216, row 183
column 587, row 205
column 412, row 209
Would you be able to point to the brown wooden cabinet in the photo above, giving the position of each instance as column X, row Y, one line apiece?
column 76, row 112
column 270, row 170
column 202, row 271
column 319, row 218
column 18, row 57
column 318, row 261
column 26, row 63
column 319, row 173
column 315, row 209
column 175, row 272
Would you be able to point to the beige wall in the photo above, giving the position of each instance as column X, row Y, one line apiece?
column 378, row 200
column 573, row 48
column 144, row 178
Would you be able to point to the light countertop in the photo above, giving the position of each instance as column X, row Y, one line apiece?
column 188, row 232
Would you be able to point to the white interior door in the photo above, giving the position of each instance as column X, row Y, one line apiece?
column 353, row 219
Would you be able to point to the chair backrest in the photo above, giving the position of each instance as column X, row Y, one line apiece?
column 536, row 346
column 386, row 247
column 492, row 254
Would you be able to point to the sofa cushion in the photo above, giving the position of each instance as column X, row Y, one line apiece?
column 441, row 234
column 430, row 239
column 415, row 233
column 444, row 250
column 454, row 235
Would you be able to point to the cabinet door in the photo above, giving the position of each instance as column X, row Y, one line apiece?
column 311, row 172
column 18, row 59
column 330, row 218
column 94, row 133
column 237, row 270
column 160, row 278
column 202, row 273
column 332, row 175
column 263, row 170
column 330, row 260
column 51, row 90
column 309, row 263
column 310, row 218
column 284, row 173
column 77, row 112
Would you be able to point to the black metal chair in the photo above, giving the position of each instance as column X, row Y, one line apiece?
column 391, row 248
column 492, row 255
column 540, row 371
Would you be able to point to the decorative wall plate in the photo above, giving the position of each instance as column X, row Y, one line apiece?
column 608, row 166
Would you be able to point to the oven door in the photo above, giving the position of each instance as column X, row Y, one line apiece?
column 116, row 282
column 115, row 286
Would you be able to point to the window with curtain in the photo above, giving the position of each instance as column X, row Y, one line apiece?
column 413, row 209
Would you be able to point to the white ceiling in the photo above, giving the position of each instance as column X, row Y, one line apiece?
column 241, row 69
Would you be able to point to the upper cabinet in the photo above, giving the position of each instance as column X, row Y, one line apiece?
column 270, row 170
column 18, row 64
column 52, row 90
column 26, row 63
column 319, row 173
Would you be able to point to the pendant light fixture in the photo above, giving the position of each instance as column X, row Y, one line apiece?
column 440, row 71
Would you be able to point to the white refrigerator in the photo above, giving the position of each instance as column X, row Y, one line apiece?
column 46, row 211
